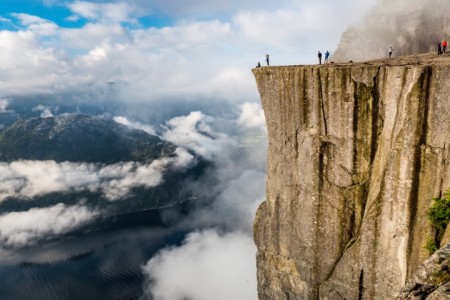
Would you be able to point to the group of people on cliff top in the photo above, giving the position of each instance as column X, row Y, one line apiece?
column 327, row 56
column 442, row 47
column 319, row 54
column 267, row 61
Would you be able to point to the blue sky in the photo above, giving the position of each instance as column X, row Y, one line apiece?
column 56, row 13
column 60, row 13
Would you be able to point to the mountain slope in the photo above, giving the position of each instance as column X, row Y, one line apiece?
column 79, row 138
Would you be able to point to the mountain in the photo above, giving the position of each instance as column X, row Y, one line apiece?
column 103, row 142
column 79, row 138
column 357, row 152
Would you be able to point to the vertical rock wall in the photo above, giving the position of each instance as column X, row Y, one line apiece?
column 356, row 153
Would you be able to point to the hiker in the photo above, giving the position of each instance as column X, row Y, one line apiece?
column 267, row 59
column 444, row 45
column 258, row 65
column 439, row 49
column 327, row 54
column 390, row 51
column 319, row 55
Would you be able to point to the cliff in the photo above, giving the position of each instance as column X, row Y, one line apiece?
column 356, row 153
column 431, row 280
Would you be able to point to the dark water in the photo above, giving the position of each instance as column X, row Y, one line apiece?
column 101, row 261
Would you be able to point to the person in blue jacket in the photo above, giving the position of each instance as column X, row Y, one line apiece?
column 327, row 55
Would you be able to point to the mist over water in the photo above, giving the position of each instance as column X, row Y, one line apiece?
column 99, row 262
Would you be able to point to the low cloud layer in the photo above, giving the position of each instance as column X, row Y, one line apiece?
column 46, row 111
column 195, row 133
column 27, row 179
column 19, row 229
column 217, row 261
column 207, row 266
column 234, row 208
column 136, row 125
column 3, row 105
column 252, row 116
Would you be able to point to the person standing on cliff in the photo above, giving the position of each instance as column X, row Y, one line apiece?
column 390, row 51
column 439, row 48
column 327, row 55
column 319, row 55
column 444, row 46
column 267, row 59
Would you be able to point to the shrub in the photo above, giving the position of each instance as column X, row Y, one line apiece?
column 439, row 216
column 439, row 213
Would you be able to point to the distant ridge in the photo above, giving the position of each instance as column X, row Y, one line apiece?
column 79, row 138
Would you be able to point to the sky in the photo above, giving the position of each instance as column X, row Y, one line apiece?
column 195, row 54
column 175, row 49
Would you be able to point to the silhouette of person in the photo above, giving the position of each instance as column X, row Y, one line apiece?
column 327, row 55
column 439, row 48
column 267, row 59
column 319, row 55
column 390, row 51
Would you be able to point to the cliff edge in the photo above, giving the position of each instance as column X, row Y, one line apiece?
column 356, row 154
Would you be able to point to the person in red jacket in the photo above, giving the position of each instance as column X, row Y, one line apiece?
column 444, row 45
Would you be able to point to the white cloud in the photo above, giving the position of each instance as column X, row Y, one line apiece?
column 156, row 63
column 106, row 12
column 3, row 105
column 235, row 207
column 37, row 24
column 277, row 27
column 5, row 20
column 49, row 2
column 194, row 132
column 27, row 179
column 207, row 266
column 137, row 125
column 27, row 19
column 46, row 111
column 252, row 116
column 19, row 229
column 217, row 261
column 204, row 8
column 36, row 70
column 73, row 18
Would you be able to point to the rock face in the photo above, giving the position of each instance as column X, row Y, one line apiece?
column 356, row 153
column 429, row 281
column 409, row 26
